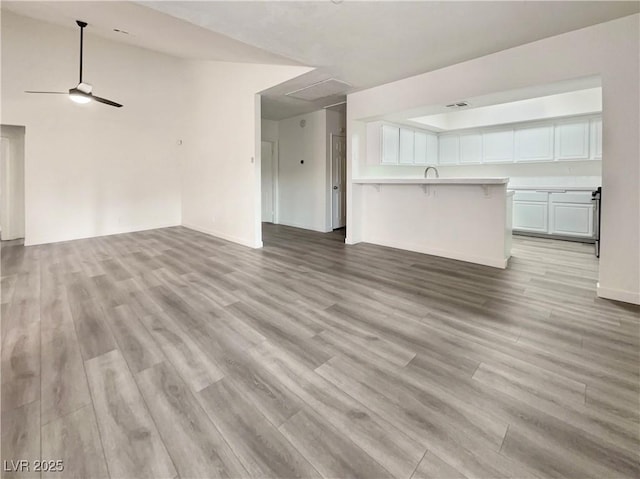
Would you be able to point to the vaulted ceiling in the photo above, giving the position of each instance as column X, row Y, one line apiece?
column 362, row 43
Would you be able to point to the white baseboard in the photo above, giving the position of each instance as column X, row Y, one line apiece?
column 224, row 236
column 29, row 242
column 304, row 227
column 632, row 297
column 469, row 258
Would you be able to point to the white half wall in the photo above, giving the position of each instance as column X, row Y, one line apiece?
column 610, row 50
column 221, row 168
column 442, row 220
column 91, row 169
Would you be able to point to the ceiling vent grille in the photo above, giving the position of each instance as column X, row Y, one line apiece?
column 322, row 89
column 460, row 104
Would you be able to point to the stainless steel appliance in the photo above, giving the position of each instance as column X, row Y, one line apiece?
column 596, row 197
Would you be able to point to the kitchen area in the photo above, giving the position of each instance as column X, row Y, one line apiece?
column 486, row 169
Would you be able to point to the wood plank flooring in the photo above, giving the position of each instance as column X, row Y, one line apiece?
column 169, row 353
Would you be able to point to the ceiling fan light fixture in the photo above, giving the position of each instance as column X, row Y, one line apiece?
column 79, row 96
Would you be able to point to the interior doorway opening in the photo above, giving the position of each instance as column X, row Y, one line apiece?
column 338, row 181
column 269, row 181
column 12, row 174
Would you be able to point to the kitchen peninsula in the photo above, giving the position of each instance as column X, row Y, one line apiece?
column 467, row 219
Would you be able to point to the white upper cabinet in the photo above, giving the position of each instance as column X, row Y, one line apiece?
column 449, row 149
column 406, row 146
column 572, row 140
column 497, row 146
column 432, row 149
column 420, row 148
column 578, row 138
column 470, row 148
column 390, row 144
column 596, row 139
column 534, row 143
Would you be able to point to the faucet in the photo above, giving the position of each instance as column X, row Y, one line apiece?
column 426, row 171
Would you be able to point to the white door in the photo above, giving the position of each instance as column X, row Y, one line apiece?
column 4, row 159
column 12, row 189
column 338, row 181
column 267, row 181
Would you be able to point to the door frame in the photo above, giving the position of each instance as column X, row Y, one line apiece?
column 275, row 168
column 12, row 197
column 330, row 185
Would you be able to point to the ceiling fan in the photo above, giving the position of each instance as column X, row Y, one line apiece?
column 82, row 92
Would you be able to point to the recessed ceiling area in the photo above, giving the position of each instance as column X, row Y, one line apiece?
column 579, row 102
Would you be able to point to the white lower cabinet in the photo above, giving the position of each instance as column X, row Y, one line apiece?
column 531, row 211
column 571, row 214
column 561, row 213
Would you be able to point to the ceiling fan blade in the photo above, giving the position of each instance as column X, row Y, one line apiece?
column 49, row 92
column 105, row 101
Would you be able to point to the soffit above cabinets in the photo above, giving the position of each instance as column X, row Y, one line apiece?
column 587, row 101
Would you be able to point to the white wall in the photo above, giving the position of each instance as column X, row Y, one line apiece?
column 611, row 50
column 92, row 169
column 221, row 168
column 302, row 187
column 269, row 130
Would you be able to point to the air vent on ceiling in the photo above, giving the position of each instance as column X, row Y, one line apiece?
column 322, row 89
column 458, row 105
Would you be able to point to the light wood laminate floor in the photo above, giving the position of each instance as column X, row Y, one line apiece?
column 170, row 353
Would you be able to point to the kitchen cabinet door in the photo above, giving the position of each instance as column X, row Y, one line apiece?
column 449, row 150
column 530, row 216
column 390, row 144
column 534, row 143
column 571, row 214
column 420, row 148
column 572, row 140
column 470, row 148
column 596, row 139
column 406, row 146
column 432, row 149
column 497, row 146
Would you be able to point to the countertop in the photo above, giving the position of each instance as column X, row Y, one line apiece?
column 553, row 189
column 431, row 181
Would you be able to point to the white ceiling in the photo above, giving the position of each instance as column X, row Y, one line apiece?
column 147, row 28
column 363, row 43
column 371, row 43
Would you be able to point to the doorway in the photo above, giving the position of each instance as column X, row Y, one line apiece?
column 338, row 181
column 269, row 177
column 12, row 182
